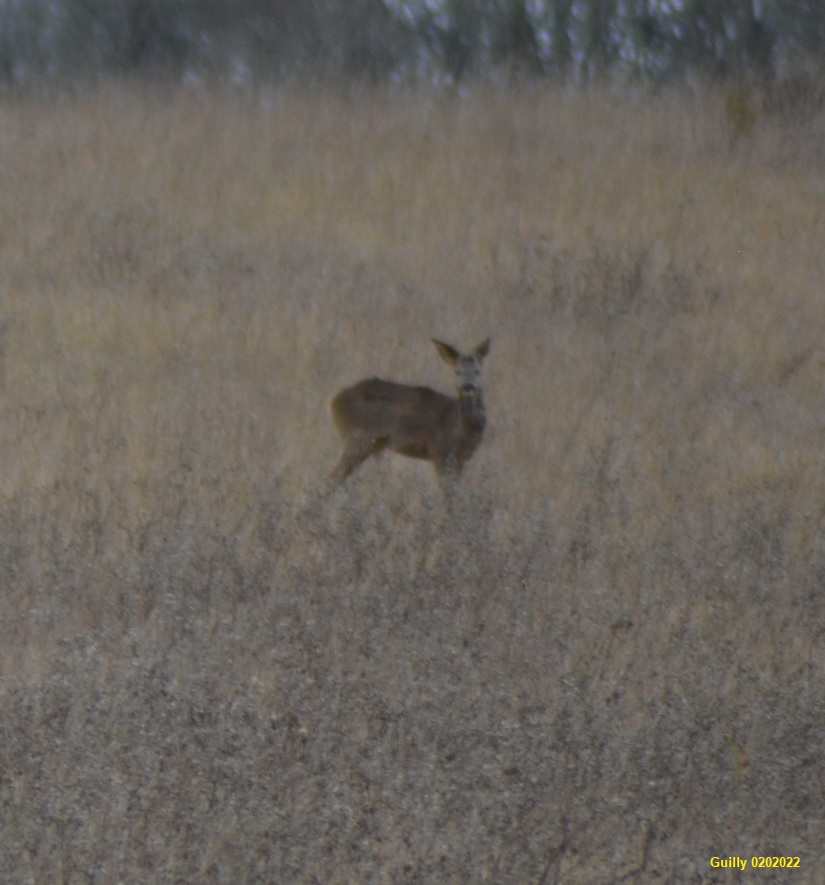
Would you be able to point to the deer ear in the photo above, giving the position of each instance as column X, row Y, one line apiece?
column 448, row 354
column 483, row 349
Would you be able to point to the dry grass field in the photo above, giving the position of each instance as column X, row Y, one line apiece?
column 607, row 663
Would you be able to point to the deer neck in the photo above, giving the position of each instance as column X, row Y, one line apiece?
column 471, row 414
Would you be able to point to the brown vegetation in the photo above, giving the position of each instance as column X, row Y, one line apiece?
column 608, row 664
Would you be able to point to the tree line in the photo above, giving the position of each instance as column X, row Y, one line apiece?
column 379, row 40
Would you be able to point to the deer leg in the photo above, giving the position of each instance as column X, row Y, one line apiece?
column 448, row 471
column 354, row 456
column 349, row 462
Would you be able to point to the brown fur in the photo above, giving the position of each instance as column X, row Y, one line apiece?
column 418, row 422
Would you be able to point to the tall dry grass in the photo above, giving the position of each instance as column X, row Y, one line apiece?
column 607, row 664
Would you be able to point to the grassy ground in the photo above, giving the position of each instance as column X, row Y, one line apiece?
column 608, row 663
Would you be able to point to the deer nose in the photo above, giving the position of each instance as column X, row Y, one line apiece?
column 468, row 388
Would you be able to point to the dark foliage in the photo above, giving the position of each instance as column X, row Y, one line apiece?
column 254, row 40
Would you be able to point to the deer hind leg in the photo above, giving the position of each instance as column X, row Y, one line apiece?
column 356, row 451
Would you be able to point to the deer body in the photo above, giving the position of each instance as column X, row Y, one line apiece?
column 418, row 422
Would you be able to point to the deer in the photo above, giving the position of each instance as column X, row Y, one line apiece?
column 418, row 422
